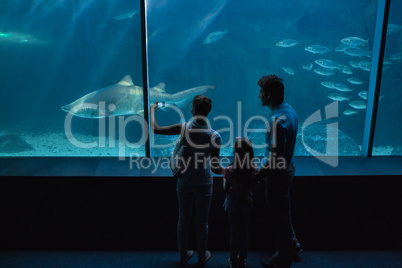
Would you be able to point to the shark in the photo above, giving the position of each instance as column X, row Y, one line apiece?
column 125, row 98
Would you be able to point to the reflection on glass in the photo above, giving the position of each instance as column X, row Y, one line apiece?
column 74, row 55
column 388, row 137
column 321, row 50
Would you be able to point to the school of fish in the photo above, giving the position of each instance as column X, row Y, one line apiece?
column 330, row 69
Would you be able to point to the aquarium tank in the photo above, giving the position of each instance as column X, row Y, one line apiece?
column 74, row 73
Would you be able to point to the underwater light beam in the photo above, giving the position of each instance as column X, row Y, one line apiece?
column 81, row 8
column 64, row 42
column 203, row 24
column 151, row 4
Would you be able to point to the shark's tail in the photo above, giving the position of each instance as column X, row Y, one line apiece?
column 184, row 98
column 193, row 91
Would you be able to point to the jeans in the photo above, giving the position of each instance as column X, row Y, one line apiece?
column 239, row 217
column 201, row 196
column 278, row 200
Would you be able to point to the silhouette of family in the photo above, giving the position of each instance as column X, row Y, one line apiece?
column 194, row 186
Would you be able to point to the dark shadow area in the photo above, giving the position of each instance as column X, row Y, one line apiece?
column 169, row 259
column 140, row 213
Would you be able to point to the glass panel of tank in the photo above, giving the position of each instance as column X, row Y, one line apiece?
column 56, row 56
column 321, row 49
column 388, row 137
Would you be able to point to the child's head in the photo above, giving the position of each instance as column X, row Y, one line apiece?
column 243, row 151
column 243, row 156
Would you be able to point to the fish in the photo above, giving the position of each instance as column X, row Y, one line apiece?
column 354, row 64
column 342, row 47
column 19, row 38
column 308, row 67
column 214, row 36
column 337, row 97
column 357, row 52
column 5, row 35
column 287, row 43
column 393, row 28
column 345, row 69
column 363, row 94
column 386, row 62
column 342, row 87
column 355, row 81
column 125, row 98
column 354, row 41
column 316, row 49
column 325, row 72
column 288, row 70
column 365, row 65
column 125, row 15
column 328, row 64
column 358, row 104
column 350, row 112
column 328, row 84
column 396, row 56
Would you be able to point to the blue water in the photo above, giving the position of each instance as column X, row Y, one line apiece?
column 54, row 52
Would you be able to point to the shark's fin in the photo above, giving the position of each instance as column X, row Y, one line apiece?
column 188, row 104
column 126, row 81
column 159, row 87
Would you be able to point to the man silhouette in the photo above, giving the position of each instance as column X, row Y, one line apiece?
column 280, row 140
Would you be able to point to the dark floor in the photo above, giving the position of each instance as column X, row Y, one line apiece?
column 98, row 259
